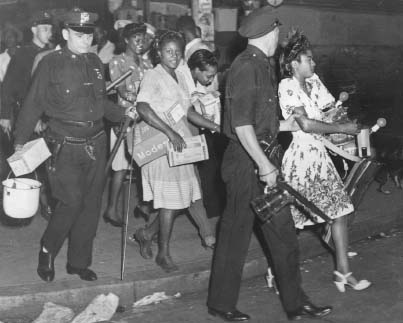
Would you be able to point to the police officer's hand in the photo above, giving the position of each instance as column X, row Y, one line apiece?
column 40, row 127
column 177, row 141
column 269, row 178
column 18, row 147
column 5, row 125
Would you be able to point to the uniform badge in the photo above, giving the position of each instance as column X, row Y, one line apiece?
column 84, row 17
column 99, row 74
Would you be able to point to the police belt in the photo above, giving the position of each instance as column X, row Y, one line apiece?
column 82, row 141
column 51, row 135
column 81, row 124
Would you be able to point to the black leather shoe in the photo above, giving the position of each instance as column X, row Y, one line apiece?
column 46, row 268
column 85, row 274
column 115, row 223
column 309, row 310
column 233, row 316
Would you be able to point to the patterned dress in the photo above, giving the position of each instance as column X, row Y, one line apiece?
column 307, row 166
column 169, row 187
column 119, row 65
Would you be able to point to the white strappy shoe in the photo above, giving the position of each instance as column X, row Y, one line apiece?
column 341, row 284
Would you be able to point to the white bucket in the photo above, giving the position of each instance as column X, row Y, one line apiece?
column 21, row 197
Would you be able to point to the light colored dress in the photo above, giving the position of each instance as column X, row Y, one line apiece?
column 169, row 187
column 307, row 167
column 119, row 65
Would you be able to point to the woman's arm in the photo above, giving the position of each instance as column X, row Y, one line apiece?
column 198, row 120
column 150, row 117
column 310, row 125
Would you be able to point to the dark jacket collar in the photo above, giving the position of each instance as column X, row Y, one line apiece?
column 254, row 51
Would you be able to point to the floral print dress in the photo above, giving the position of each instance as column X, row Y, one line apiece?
column 307, row 167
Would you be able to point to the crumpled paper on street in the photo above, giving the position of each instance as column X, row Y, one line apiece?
column 154, row 299
column 101, row 308
column 55, row 314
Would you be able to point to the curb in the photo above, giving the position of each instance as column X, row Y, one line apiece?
column 193, row 276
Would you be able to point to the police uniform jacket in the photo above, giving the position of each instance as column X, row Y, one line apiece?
column 251, row 95
column 70, row 87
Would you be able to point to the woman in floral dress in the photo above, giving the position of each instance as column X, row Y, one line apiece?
column 131, row 59
column 307, row 166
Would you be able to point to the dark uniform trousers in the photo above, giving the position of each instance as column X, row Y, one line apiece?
column 234, row 236
column 77, row 183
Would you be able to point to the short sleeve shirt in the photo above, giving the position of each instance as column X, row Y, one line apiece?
column 251, row 95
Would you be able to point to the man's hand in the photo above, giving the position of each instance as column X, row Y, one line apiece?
column 5, row 125
column 40, row 127
column 269, row 178
column 18, row 147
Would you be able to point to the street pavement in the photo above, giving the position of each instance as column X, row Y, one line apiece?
column 379, row 260
column 23, row 294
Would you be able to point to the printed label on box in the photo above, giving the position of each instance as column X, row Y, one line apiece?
column 154, row 143
column 196, row 150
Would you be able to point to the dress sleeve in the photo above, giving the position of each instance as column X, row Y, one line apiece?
column 149, row 88
column 325, row 98
column 288, row 97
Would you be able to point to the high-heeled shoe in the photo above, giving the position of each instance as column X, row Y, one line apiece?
column 343, row 282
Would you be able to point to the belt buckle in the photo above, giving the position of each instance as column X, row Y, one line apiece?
column 90, row 124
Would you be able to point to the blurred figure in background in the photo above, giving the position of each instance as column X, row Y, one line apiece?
column 16, row 84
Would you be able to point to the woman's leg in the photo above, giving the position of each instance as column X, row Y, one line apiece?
column 116, row 187
column 198, row 213
column 340, row 239
column 166, row 221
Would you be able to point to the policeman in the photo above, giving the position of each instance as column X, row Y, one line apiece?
column 69, row 88
column 18, row 76
column 250, row 115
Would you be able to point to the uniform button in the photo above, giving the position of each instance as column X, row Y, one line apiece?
column 74, row 56
column 67, row 91
column 254, row 55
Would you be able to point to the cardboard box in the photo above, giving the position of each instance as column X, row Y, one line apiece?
column 27, row 159
column 153, row 143
column 196, row 150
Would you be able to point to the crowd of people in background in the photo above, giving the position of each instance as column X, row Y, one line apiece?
column 55, row 87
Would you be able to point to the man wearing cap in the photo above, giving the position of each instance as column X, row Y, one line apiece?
column 18, row 76
column 250, row 115
column 69, row 88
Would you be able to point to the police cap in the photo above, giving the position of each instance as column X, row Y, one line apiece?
column 259, row 22
column 41, row 18
column 80, row 20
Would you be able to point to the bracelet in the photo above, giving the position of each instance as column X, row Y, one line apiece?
column 268, row 173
